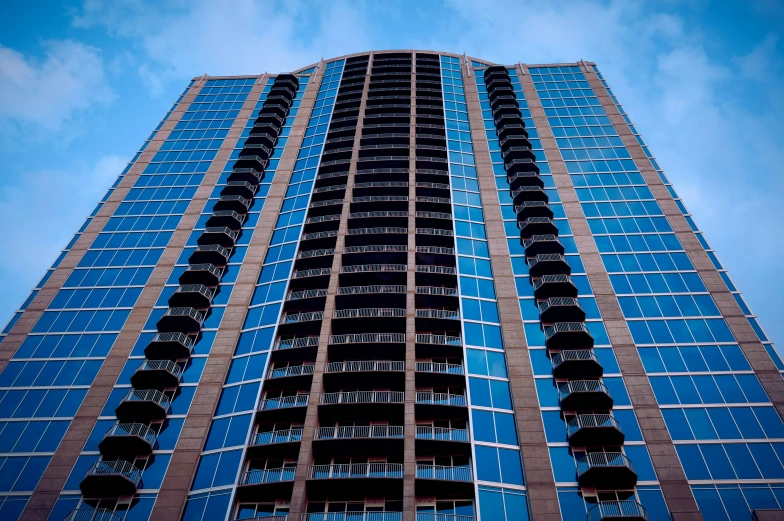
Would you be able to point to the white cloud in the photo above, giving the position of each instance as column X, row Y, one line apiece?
column 42, row 208
column 46, row 93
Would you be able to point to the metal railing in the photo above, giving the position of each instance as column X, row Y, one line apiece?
column 557, row 302
column 379, row 198
column 229, row 213
column 132, row 429
column 161, row 365
column 426, row 199
column 565, row 327
column 368, row 338
column 356, row 470
column 352, row 516
column 315, row 272
column 365, row 365
column 435, row 249
column 426, row 338
column 205, row 267
column 123, row 468
column 581, row 386
column 364, row 431
column 436, row 290
column 149, row 395
column 428, row 432
column 376, row 248
column 320, row 235
column 438, row 313
column 443, row 473
column 590, row 421
column 92, row 514
column 223, row 252
column 389, row 213
column 431, row 398
column 326, row 202
column 573, row 355
column 620, row 509
column 323, row 218
column 270, row 517
column 222, row 229
column 430, row 268
column 549, row 279
column 198, row 316
column 360, row 268
column 284, row 402
column 432, row 516
column 306, row 254
column 306, row 293
column 295, row 318
column 331, row 188
column 180, row 338
column 195, row 288
column 289, row 343
column 358, row 290
column 279, row 436
column 369, row 313
column 421, row 184
column 290, row 370
column 362, row 397
column 434, row 215
column 602, row 459
column 383, row 184
column 378, row 230
column 258, row 476
column 437, row 367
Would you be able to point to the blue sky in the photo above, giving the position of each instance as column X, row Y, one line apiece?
column 83, row 83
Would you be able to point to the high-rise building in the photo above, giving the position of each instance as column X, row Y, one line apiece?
column 391, row 286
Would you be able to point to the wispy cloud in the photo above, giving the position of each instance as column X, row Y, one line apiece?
column 44, row 94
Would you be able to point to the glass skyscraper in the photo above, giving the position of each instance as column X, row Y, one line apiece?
column 391, row 286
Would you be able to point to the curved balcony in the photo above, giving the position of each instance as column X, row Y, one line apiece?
column 560, row 309
column 576, row 363
column 443, row 482
column 251, row 161
column 284, row 408
column 617, row 510
column 145, row 406
column 528, row 193
column 214, row 254
column 298, row 318
column 127, row 440
column 593, row 430
column 235, row 203
column 534, row 226
column 275, row 437
column 521, row 179
column 290, row 370
column 281, row 109
column 514, row 166
column 157, row 374
column 436, row 374
column 352, row 432
column 270, row 117
column 563, row 335
column 202, row 274
column 363, row 290
column 605, row 470
column 222, row 235
column 369, row 313
column 431, row 440
column 542, row 245
column 226, row 219
column 368, row 338
column 192, row 296
column 508, row 130
column 528, row 209
column 373, row 268
column 169, row 346
column 111, row 479
column 249, row 175
column 315, row 272
column 580, row 395
column 292, row 343
column 266, row 484
column 306, row 294
column 549, row 264
column 241, row 188
column 550, row 286
column 502, row 101
column 257, row 149
column 261, row 138
column 504, row 107
column 351, row 397
column 180, row 320
column 92, row 514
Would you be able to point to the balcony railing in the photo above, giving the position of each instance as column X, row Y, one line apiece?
column 291, row 370
column 320, row 235
column 447, row 314
column 359, row 290
column 284, row 402
column 378, row 230
column 92, row 514
column 630, row 510
column 290, row 343
column 149, row 395
column 435, row 249
column 307, row 254
column 316, row 272
column 362, row 397
column 323, row 218
column 376, row 248
column 602, row 459
column 434, row 215
column 430, row 398
column 279, row 436
column 369, row 313
column 362, row 268
column 258, row 476
column 365, row 365
column 434, row 231
column 353, row 516
column 432, row 516
column 434, row 367
column 306, row 293
column 174, row 345
column 357, row 470
column 379, row 198
column 364, row 431
column 368, row 338
column 117, row 467
column 442, row 270
column 369, row 215
column 443, row 473
column 161, row 365
column 590, row 394
column 436, row 290
column 428, row 432
column 426, row 338
column 295, row 318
